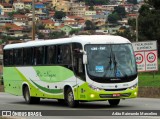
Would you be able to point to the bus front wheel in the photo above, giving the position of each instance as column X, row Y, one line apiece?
column 70, row 98
column 28, row 98
column 114, row 102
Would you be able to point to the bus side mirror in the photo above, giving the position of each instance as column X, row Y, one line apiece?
column 85, row 59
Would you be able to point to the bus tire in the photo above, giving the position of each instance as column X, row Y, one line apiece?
column 114, row 102
column 70, row 98
column 28, row 98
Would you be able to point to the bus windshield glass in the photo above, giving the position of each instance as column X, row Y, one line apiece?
column 110, row 60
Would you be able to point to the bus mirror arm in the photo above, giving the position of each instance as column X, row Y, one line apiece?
column 85, row 59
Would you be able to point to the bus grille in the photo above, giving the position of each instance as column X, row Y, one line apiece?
column 111, row 95
column 121, row 89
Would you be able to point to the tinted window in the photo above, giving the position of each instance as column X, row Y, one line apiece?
column 64, row 54
column 39, row 55
column 51, row 55
column 18, row 56
column 28, row 56
column 6, row 57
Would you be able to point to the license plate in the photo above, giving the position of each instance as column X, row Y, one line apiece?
column 116, row 95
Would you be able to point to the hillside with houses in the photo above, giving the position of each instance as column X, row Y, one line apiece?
column 63, row 18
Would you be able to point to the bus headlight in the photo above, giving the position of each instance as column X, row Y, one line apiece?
column 133, row 87
column 94, row 87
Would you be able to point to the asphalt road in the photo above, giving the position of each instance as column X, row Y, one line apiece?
column 11, row 102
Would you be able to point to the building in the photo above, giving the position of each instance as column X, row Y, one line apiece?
column 27, row 4
column 18, row 5
column 49, row 24
column 90, row 13
column 78, row 9
column 5, row 19
column 5, row 8
column 20, row 20
column 11, row 29
column 62, row 5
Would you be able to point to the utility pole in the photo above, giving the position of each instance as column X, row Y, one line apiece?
column 137, row 28
column 33, row 19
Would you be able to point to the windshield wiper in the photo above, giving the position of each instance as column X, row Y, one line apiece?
column 115, row 65
column 110, row 61
column 109, row 66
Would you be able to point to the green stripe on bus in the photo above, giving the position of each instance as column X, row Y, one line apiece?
column 48, row 90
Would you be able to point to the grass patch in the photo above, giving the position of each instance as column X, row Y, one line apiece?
column 150, row 79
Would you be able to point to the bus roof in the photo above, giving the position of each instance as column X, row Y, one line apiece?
column 83, row 39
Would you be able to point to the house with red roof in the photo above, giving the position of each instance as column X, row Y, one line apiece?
column 11, row 29
column 5, row 8
column 20, row 20
column 49, row 24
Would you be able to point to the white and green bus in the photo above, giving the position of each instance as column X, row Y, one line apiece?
column 75, row 69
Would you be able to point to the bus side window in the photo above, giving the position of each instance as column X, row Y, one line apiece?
column 51, row 54
column 18, row 56
column 66, row 57
column 39, row 56
column 6, row 57
column 27, row 56
column 64, row 54
column 59, row 54
column 10, row 61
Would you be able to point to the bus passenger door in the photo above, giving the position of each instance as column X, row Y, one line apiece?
column 79, row 72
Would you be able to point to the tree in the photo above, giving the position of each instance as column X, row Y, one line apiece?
column 144, row 10
column 11, row 14
column 113, row 18
column 91, row 8
column 149, row 21
column 120, row 11
column 132, row 1
column 41, row 26
column 40, row 35
column 59, row 15
column 74, row 31
column 57, row 34
column 7, row 28
column 154, row 3
column 127, row 34
column 22, row 11
column 89, row 25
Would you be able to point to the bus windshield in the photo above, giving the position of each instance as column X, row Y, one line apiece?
column 110, row 60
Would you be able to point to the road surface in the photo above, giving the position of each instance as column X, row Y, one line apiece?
column 11, row 102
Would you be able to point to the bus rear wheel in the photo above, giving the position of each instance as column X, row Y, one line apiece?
column 70, row 98
column 28, row 98
column 114, row 102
